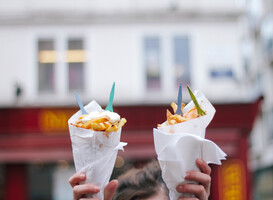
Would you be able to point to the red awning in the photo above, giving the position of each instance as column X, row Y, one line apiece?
column 25, row 148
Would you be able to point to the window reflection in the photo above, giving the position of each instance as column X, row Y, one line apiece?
column 75, row 60
column 46, row 64
column 270, row 119
column 181, row 60
column 152, row 62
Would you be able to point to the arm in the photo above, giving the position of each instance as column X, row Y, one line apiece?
column 80, row 190
column 202, row 190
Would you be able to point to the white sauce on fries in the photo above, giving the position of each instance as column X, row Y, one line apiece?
column 114, row 117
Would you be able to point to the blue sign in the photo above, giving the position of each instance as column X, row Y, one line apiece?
column 221, row 73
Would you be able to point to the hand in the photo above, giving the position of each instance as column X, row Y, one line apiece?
column 80, row 190
column 201, row 190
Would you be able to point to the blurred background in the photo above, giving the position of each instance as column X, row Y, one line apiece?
column 48, row 49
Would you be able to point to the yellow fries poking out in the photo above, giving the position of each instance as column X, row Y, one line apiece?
column 101, row 123
column 176, row 118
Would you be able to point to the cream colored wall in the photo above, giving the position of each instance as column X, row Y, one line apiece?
column 115, row 54
column 115, row 51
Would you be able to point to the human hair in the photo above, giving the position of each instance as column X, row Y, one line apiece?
column 136, row 184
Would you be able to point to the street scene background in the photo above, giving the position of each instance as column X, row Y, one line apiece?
column 48, row 49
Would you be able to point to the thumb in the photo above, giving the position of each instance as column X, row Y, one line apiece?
column 110, row 189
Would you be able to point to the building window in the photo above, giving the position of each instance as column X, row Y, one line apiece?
column 152, row 62
column 75, row 60
column 270, row 119
column 2, row 182
column 40, row 181
column 46, row 63
column 181, row 59
column 263, row 183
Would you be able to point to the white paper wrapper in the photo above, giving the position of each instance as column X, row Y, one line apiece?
column 94, row 153
column 178, row 146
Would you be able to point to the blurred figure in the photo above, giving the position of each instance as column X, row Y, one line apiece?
column 145, row 184
column 18, row 92
column 142, row 183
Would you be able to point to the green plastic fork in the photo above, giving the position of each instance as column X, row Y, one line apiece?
column 200, row 112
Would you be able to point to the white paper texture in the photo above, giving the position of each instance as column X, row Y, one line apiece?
column 94, row 153
column 178, row 146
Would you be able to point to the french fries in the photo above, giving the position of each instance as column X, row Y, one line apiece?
column 101, row 123
column 176, row 118
column 195, row 112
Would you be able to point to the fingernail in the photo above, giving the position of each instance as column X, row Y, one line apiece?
column 96, row 188
column 82, row 175
column 199, row 161
column 179, row 187
column 113, row 186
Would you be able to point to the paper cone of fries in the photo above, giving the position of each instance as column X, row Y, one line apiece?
column 94, row 152
column 179, row 145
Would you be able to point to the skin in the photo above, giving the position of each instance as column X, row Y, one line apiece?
column 201, row 190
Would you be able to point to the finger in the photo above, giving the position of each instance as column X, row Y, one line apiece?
column 197, row 190
column 76, row 178
column 110, row 189
column 201, row 178
column 204, row 167
column 80, row 190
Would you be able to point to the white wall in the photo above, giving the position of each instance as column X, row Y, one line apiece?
column 25, row 6
column 115, row 53
column 14, row 61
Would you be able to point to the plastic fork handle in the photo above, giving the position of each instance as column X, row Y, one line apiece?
column 80, row 103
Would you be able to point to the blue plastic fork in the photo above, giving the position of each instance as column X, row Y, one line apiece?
column 80, row 103
column 179, row 101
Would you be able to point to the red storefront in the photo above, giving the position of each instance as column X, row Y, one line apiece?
column 34, row 134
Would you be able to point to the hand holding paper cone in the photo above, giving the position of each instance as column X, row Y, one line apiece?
column 95, row 141
column 179, row 143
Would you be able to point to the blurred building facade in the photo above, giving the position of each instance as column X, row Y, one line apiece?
column 261, row 31
column 49, row 49
column 86, row 45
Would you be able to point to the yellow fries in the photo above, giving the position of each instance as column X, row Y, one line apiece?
column 122, row 122
column 100, row 124
column 174, row 106
column 176, row 118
